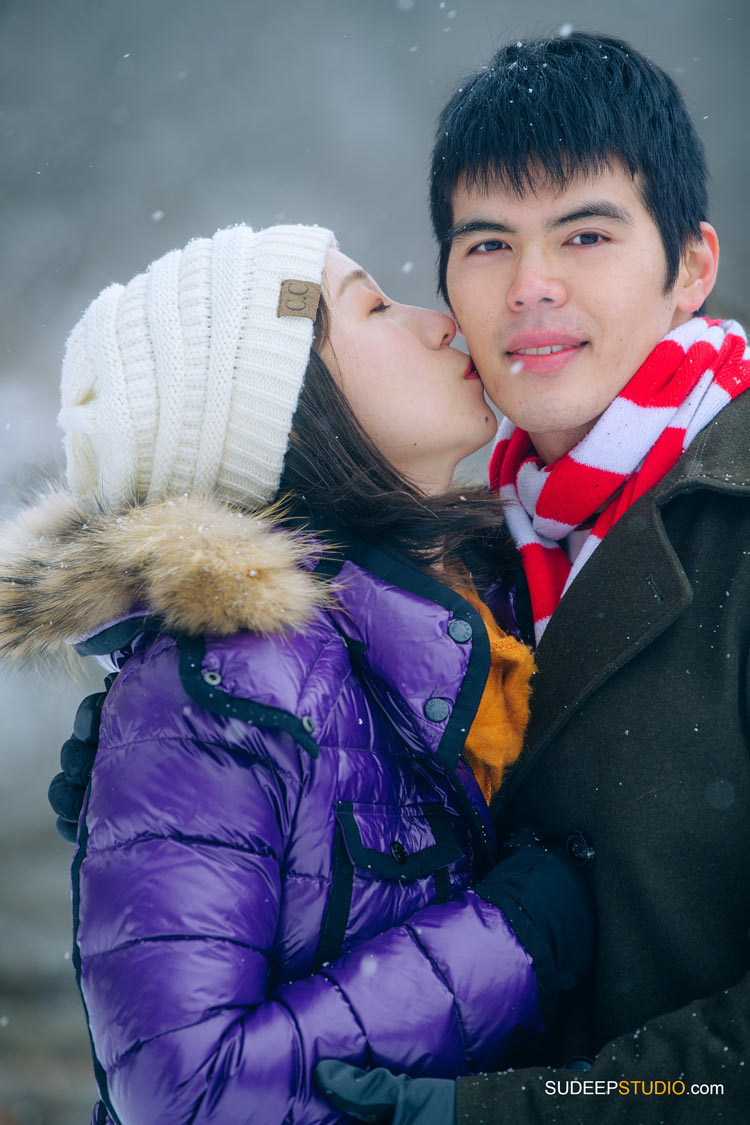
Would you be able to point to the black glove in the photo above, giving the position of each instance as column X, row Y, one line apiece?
column 547, row 900
column 387, row 1099
column 67, row 789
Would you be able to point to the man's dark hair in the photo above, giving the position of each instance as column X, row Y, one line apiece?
column 567, row 105
column 334, row 471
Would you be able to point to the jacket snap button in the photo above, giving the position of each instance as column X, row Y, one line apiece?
column 459, row 631
column 579, row 847
column 579, row 1063
column 437, row 709
column 211, row 678
column 399, row 852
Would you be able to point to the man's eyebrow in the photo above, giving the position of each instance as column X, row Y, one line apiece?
column 596, row 209
column 474, row 226
column 355, row 275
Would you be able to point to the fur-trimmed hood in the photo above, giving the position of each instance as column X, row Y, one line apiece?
column 199, row 565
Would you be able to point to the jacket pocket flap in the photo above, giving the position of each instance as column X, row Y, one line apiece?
column 404, row 843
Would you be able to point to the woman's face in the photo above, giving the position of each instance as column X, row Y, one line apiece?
column 418, row 399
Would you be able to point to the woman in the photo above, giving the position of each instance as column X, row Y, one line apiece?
column 283, row 795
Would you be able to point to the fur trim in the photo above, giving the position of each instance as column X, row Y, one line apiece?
column 201, row 566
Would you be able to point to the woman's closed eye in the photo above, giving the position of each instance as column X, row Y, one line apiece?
column 381, row 306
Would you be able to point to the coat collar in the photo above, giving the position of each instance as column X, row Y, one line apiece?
column 67, row 573
column 588, row 637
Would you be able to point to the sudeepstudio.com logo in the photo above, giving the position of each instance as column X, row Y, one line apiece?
column 657, row 1088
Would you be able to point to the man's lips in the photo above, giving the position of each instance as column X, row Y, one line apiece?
column 536, row 343
column 543, row 353
column 471, row 371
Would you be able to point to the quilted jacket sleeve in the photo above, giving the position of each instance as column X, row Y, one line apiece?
column 177, row 892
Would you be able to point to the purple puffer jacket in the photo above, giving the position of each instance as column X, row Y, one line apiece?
column 278, row 836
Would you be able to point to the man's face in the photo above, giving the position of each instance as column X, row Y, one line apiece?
column 580, row 270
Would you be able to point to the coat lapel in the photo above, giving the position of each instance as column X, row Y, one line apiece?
column 629, row 592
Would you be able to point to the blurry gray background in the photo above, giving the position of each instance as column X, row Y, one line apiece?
column 129, row 126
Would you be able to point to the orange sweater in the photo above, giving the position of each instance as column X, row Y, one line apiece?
column 496, row 736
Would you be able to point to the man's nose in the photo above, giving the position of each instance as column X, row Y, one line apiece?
column 535, row 282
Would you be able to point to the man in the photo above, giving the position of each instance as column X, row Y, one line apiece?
column 569, row 201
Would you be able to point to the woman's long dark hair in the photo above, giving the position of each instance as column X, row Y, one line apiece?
column 336, row 472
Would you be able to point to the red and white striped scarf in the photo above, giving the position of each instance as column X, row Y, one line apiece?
column 687, row 379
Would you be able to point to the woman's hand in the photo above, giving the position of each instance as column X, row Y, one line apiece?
column 547, row 899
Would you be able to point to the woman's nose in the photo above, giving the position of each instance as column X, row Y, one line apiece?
column 534, row 283
column 435, row 329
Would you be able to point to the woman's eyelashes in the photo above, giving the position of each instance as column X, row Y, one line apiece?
column 381, row 306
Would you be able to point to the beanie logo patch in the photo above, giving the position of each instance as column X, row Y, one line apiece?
column 299, row 298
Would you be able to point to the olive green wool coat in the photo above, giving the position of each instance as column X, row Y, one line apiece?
column 640, row 737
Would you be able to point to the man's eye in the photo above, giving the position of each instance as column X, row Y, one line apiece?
column 588, row 238
column 489, row 246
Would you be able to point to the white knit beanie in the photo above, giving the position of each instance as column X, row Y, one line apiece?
column 186, row 379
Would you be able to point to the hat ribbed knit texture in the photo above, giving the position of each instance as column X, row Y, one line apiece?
column 186, row 379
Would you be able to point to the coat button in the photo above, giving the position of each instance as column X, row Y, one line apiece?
column 459, row 631
column 579, row 1063
column 399, row 852
column 437, row 709
column 579, row 847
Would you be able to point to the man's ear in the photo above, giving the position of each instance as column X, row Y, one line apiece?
column 698, row 271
